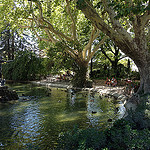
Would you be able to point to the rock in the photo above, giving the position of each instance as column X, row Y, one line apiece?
column 7, row 95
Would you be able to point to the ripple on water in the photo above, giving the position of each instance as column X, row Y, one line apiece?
column 36, row 124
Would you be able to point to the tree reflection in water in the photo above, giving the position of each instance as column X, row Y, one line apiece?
column 36, row 123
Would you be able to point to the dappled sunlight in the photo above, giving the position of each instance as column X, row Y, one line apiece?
column 82, row 112
column 72, row 116
column 67, row 117
column 42, row 113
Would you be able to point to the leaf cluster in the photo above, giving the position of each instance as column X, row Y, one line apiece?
column 81, row 4
column 58, row 59
column 125, row 8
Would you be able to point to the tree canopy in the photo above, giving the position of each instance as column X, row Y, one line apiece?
column 127, row 23
column 59, row 22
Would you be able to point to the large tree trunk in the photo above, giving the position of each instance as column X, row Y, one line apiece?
column 80, row 77
column 144, row 71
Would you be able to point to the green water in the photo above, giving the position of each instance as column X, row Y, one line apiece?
column 41, row 114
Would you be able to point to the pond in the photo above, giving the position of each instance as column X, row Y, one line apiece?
column 41, row 114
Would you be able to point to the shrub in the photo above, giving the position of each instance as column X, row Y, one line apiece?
column 120, row 136
column 78, row 138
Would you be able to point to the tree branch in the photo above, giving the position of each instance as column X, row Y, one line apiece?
column 145, row 18
column 108, row 45
column 58, row 33
column 96, row 48
column 115, row 23
column 96, row 20
column 41, row 20
column 40, row 38
column 73, row 27
column 106, row 55
column 88, row 46
column 122, row 57
column 124, row 41
column 70, row 51
column 51, row 37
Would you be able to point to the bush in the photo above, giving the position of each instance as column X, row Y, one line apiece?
column 135, row 75
column 81, row 139
column 120, row 136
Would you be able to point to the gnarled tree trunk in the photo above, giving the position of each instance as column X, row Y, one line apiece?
column 80, row 77
column 144, row 71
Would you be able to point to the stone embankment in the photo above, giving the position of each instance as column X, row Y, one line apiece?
column 116, row 92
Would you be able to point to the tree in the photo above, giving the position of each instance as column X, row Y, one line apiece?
column 70, row 30
column 114, row 58
column 7, row 44
column 12, row 42
column 26, row 66
column 127, row 23
column 109, row 59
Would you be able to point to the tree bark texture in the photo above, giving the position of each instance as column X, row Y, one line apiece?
column 144, row 78
column 79, row 79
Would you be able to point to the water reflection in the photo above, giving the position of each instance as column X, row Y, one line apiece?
column 41, row 114
column 100, row 110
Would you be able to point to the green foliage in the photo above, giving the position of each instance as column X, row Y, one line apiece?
column 124, row 8
column 120, row 136
column 26, row 66
column 81, row 139
column 81, row 4
column 12, row 42
column 109, row 58
column 57, row 59
column 107, row 71
column 135, row 75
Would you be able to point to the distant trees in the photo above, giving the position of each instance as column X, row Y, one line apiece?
column 109, row 59
column 26, row 66
column 7, row 44
column 113, row 54
column 12, row 42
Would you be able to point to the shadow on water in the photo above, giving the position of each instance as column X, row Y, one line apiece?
column 35, row 121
